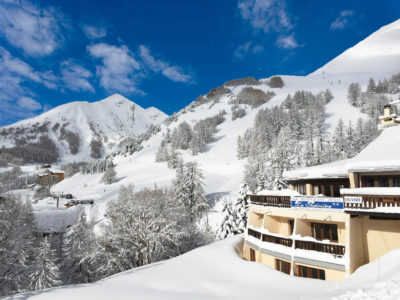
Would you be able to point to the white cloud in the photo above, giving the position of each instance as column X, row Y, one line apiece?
column 247, row 48
column 29, row 104
column 287, row 42
column 173, row 73
column 119, row 68
column 15, row 67
column 265, row 15
column 34, row 30
column 76, row 77
column 342, row 20
column 93, row 32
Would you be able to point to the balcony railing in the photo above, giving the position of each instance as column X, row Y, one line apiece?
column 333, row 249
column 277, row 240
column 320, row 247
column 278, row 201
column 254, row 233
column 373, row 201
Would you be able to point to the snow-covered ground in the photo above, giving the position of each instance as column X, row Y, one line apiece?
column 217, row 271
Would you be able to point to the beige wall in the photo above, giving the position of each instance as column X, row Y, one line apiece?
column 255, row 219
column 356, row 244
column 382, row 236
column 277, row 225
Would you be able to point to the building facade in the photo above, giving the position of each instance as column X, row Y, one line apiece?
column 334, row 218
column 50, row 177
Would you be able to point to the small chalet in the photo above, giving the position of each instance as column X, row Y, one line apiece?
column 334, row 218
column 50, row 177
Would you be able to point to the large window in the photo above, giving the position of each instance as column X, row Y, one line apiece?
column 322, row 231
column 301, row 188
column 282, row 266
column 311, row 273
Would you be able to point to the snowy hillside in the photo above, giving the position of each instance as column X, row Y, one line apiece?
column 73, row 126
column 217, row 271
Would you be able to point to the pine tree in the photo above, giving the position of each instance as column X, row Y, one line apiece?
column 354, row 93
column 17, row 242
column 189, row 190
column 80, row 250
column 109, row 176
column 44, row 272
column 235, row 214
column 339, row 140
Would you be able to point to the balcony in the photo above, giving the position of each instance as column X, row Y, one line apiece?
column 277, row 240
column 372, row 201
column 276, row 201
column 338, row 250
column 334, row 249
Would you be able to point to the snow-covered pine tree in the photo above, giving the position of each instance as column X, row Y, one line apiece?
column 339, row 140
column 79, row 250
column 235, row 214
column 17, row 242
column 109, row 176
column 44, row 271
column 354, row 93
column 191, row 191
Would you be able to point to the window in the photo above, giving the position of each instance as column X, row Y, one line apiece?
column 301, row 188
column 282, row 266
column 396, row 181
column 311, row 273
column 384, row 181
column 327, row 190
column 322, row 231
column 316, row 190
column 291, row 226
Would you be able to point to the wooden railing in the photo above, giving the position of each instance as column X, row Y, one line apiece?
column 254, row 233
column 374, row 201
column 278, row 201
column 277, row 240
column 320, row 247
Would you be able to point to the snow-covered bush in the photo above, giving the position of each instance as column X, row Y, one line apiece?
column 109, row 176
column 276, row 82
column 96, row 166
column 253, row 97
column 96, row 148
column 247, row 81
column 237, row 112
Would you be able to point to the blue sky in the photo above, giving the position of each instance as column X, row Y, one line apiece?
column 166, row 53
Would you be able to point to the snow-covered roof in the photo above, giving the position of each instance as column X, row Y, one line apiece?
column 285, row 192
column 335, row 169
column 384, row 191
column 382, row 155
column 47, row 171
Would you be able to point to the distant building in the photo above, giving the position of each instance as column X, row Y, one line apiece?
column 334, row 218
column 50, row 177
column 389, row 117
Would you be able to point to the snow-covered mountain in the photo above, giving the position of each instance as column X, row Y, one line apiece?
column 223, row 171
column 378, row 54
column 73, row 126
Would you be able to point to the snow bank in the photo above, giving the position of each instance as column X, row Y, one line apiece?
column 216, row 271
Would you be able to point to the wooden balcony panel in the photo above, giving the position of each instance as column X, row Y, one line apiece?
column 276, row 201
column 320, row 247
column 374, row 201
column 277, row 240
